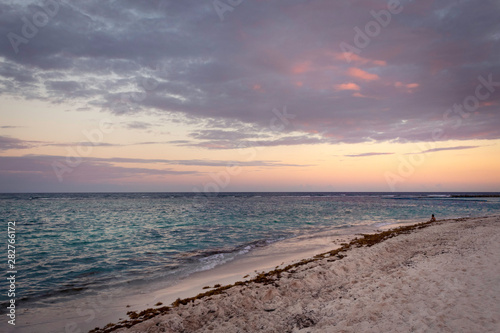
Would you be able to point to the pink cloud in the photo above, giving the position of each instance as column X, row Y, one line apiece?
column 301, row 67
column 257, row 87
column 347, row 86
column 357, row 94
column 488, row 103
column 361, row 74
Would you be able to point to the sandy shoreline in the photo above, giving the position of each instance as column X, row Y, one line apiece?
column 110, row 305
column 442, row 278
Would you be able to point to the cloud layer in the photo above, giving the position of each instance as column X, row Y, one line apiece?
column 67, row 173
column 179, row 58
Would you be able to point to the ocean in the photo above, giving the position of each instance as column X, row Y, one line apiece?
column 71, row 245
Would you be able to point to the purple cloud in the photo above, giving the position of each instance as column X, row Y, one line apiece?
column 433, row 150
column 18, row 174
column 7, row 143
column 22, row 173
column 193, row 162
column 178, row 58
column 141, row 125
column 368, row 154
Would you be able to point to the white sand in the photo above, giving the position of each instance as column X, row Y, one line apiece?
column 444, row 278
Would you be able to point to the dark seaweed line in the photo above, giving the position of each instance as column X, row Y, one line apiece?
column 270, row 277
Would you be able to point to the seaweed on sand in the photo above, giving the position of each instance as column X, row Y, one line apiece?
column 271, row 277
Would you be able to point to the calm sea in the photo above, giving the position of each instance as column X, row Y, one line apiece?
column 72, row 244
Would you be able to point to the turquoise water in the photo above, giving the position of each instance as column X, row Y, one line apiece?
column 70, row 245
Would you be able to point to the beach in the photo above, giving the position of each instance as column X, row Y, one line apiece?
column 438, row 277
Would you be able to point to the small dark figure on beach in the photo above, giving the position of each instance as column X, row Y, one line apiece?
column 433, row 219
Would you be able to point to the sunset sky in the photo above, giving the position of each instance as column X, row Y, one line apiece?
column 269, row 95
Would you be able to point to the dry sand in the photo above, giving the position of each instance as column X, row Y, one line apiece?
column 443, row 278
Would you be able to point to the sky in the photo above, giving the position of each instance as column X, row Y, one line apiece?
column 210, row 96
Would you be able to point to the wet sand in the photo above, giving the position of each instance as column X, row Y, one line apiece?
column 441, row 278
